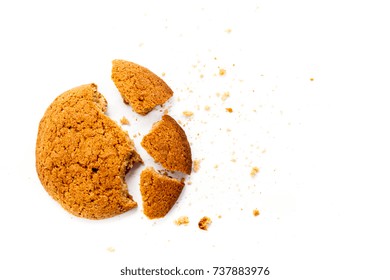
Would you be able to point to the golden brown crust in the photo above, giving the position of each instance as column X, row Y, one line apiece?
column 139, row 86
column 167, row 143
column 82, row 156
column 159, row 193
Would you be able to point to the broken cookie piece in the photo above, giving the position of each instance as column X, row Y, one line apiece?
column 167, row 143
column 140, row 88
column 82, row 156
column 159, row 193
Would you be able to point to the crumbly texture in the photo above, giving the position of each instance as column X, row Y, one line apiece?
column 124, row 121
column 254, row 171
column 167, row 143
column 183, row 220
column 140, row 88
column 82, row 156
column 204, row 223
column 159, row 193
column 229, row 110
column 256, row 212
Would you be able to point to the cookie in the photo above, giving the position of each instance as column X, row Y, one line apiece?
column 140, row 88
column 82, row 156
column 167, row 143
column 159, row 193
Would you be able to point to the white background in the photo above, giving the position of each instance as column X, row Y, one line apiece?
column 322, row 145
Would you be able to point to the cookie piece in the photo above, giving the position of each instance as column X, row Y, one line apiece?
column 82, row 156
column 139, row 86
column 159, row 193
column 167, row 143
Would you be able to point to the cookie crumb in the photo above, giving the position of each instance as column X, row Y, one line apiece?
column 228, row 30
column 207, row 108
column 216, row 166
column 229, row 110
column 196, row 165
column 254, row 171
column 183, row 220
column 188, row 113
column 124, row 121
column 311, row 79
column 256, row 212
column 222, row 72
column 163, row 74
column 225, row 95
column 204, row 223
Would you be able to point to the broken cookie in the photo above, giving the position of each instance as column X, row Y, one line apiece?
column 82, row 156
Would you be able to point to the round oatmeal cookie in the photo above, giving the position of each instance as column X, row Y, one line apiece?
column 82, row 156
